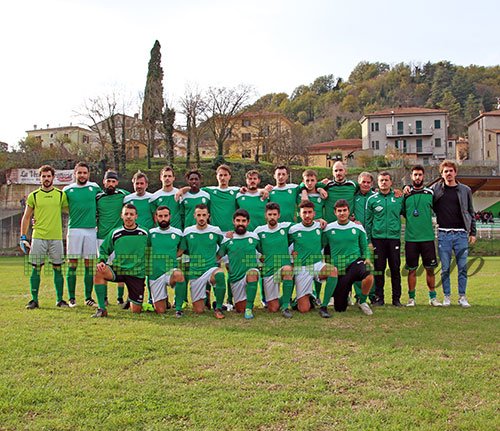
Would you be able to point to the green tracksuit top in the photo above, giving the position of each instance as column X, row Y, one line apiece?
column 417, row 209
column 383, row 216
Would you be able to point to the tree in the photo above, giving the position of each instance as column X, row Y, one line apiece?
column 471, row 109
column 289, row 148
column 350, row 130
column 454, row 111
column 221, row 114
column 193, row 106
column 168, row 119
column 153, row 98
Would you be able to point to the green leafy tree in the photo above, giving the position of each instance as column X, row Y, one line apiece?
column 451, row 104
column 350, row 130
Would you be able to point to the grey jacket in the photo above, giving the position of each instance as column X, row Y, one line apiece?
column 465, row 198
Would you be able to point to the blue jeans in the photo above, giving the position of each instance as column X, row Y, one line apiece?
column 458, row 243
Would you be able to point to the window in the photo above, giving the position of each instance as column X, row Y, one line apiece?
column 418, row 127
column 376, row 145
column 246, row 154
column 85, row 139
column 66, row 135
column 375, row 127
column 425, row 160
column 51, row 135
column 373, row 144
column 488, row 153
column 437, row 142
column 246, row 123
column 400, row 127
column 419, row 145
column 489, row 137
column 437, row 124
column 246, row 137
column 405, row 149
column 450, row 144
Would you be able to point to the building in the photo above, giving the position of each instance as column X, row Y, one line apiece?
column 419, row 134
column 51, row 137
column 254, row 134
column 325, row 154
column 484, row 137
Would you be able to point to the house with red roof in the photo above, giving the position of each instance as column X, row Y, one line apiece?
column 484, row 137
column 325, row 154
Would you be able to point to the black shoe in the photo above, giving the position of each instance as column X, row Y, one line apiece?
column 168, row 305
column 32, row 305
column 119, row 301
column 62, row 304
column 378, row 303
column 179, row 314
column 90, row 303
column 126, row 305
column 312, row 300
column 396, row 303
column 287, row 313
column 323, row 312
column 100, row 313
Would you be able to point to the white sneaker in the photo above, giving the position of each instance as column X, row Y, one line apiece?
column 365, row 308
column 446, row 301
column 350, row 300
column 411, row 302
column 434, row 302
column 331, row 302
column 462, row 300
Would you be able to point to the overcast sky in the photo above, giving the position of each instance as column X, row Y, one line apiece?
column 55, row 54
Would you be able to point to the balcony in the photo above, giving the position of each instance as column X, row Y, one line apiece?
column 392, row 131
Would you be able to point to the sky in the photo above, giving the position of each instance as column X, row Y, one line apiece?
column 56, row 54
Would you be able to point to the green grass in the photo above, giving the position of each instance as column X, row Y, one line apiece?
column 401, row 369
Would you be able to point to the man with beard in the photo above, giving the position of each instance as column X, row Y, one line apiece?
column 277, row 266
column 166, row 197
column 241, row 249
column 419, row 235
column 253, row 201
column 164, row 241
column 81, row 242
column 140, row 199
column 201, row 242
column 284, row 194
column 45, row 205
column 194, row 196
column 109, row 208
column 128, row 243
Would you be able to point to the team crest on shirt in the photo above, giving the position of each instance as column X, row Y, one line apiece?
column 172, row 236
column 90, row 188
column 231, row 192
column 203, row 200
column 191, row 236
column 263, row 235
column 282, row 232
column 250, row 240
column 318, row 232
column 319, row 200
column 353, row 231
column 299, row 235
column 211, row 236
column 243, row 198
column 289, row 191
column 379, row 208
column 153, row 236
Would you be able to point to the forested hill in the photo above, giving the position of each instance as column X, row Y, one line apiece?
column 330, row 107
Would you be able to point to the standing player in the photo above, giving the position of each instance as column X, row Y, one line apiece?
column 309, row 260
column 383, row 228
column 166, row 197
column 81, row 242
column 193, row 197
column 284, row 194
column 349, row 252
column 128, row 243
column 419, row 236
column 45, row 205
column 165, row 241
column 365, row 181
column 243, row 273
column 252, row 200
column 140, row 199
column 109, row 209
column 201, row 242
column 310, row 180
column 277, row 267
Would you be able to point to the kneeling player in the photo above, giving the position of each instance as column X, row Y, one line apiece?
column 273, row 238
column 129, row 243
column 241, row 250
column 164, row 241
column 308, row 260
column 349, row 250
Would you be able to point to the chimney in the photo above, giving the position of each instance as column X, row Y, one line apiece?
column 136, row 116
column 47, row 126
column 34, row 126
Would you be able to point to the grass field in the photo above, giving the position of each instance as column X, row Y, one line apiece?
column 401, row 369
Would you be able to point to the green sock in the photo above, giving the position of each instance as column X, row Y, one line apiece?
column 180, row 291
column 287, row 293
column 331, row 284
column 251, row 293
column 261, row 290
column 71, row 281
column 100, row 291
column 219, row 289
column 150, row 298
column 229, row 292
column 371, row 295
column 432, row 294
column 58, row 283
column 317, row 288
column 362, row 298
column 121, row 291
column 357, row 289
column 35, row 283
column 88, row 281
column 411, row 293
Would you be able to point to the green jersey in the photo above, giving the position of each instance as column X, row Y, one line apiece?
column 144, row 214
column 164, row 244
column 256, row 207
column 109, row 210
column 417, row 209
column 345, row 190
column 241, row 252
column 274, row 247
column 130, row 247
column 82, row 205
column 360, row 206
column 163, row 198
column 306, row 242
column 319, row 204
column 188, row 203
column 347, row 243
column 383, row 216
column 47, row 212
column 222, row 206
column 286, row 197
column 201, row 245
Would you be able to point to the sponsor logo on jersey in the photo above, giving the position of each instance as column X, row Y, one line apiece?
column 263, row 235
column 393, row 200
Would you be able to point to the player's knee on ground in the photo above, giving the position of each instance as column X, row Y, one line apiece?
column 273, row 306
column 240, row 306
column 304, row 304
column 160, row 306
column 135, row 308
column 199, row 306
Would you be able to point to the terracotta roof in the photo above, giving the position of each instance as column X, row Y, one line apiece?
column 341, row 144
column 495, row 113
column 493, row 130
column 41, row 129
column 406, row 111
